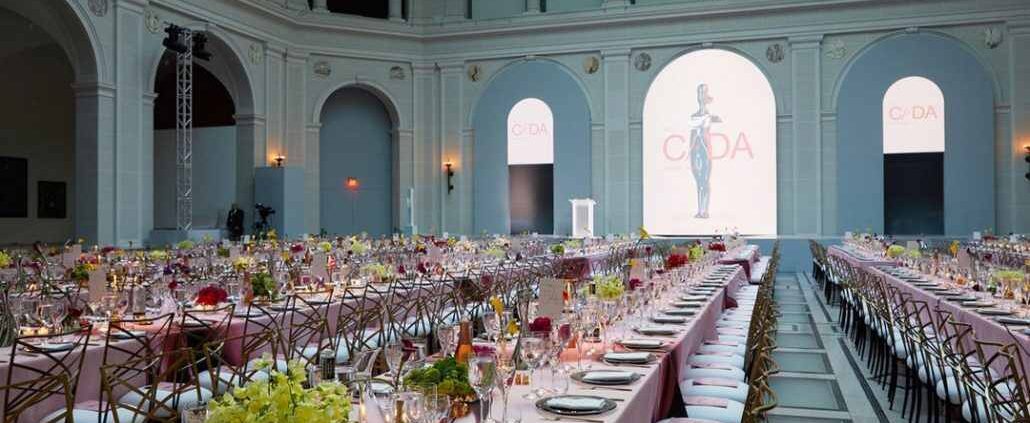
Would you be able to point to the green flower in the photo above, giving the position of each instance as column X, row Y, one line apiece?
column 158, row 255
column 325, row 246
column 5, row 260
column 895, row 251
column 282, row 398
column 262, row 285
column 185, row 244
column 608, row 287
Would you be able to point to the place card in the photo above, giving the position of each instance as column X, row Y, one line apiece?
column 318, row 266
column 69, row 257
column 964, row 260
column 97, row 285
column 552, row 300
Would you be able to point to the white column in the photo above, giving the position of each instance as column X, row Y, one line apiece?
column 396, row 10
column 425, row 149
column 131, row 159
column 616, row 140
column 532, row 6
column 807, row 120
column 451, row 75
column 456, row 10
column 250, row 153
column 404, row 173
column 94, row 162
column 312, row 175
column 320, row 6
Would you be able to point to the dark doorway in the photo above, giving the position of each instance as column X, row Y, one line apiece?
column 913, row 190
column 531, row 195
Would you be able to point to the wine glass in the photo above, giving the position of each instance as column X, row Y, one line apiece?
column 533, row 349
column 437, row 407
column 414, row 406
column 57, row 312
column 505, row 378
column 448, row 338
column 395, row 360
column 492, row 324
column 482, row 374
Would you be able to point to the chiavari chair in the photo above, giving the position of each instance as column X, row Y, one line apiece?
column 1006, row 391
column 38, row 364
column 307, row 325
column 162, row 397
column 41, row 389
column 261, row 336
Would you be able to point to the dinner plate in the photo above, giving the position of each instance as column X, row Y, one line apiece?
column 993, row 312
column 576, row 405
column 657, row 330
column 199, row 323
column 1013, row 321
column 605, row 377
column 979, row 304
column 669, row 319
column 681, row 312
column 694, row 298
column 963, row 299
column 642, row 344
column 132, row 334
column 936, row 288
column 246, row 314
column 51, row 347
column 628, row 357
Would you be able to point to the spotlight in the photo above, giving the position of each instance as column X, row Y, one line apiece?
column 199, row 42
column 173, row 41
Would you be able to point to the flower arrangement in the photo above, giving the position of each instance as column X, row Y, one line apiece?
column 500, row 242
column 1008, row 276
column 5, row 260
column 448, row 376
column 223, row 252
column 696, row 252
column 325, row 246
column 496, row 253
column 676, row 260
column 263, row 285
column 913, row 253
column 211, row 296
column 608, row 287
column 465, row 245
column 541, row 324
column 558, row 249
column 378, row 271
column 185, row 245
column 572, row 244
column 158, row 255
column 272, row 235
column 282, row 398
column 953, row 248
column 643, row 233
column 243, row 263
column 358, row 246
column 717, row 246
column 80, row 273
column 895, row 251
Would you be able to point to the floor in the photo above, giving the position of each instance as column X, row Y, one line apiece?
column 822, row 379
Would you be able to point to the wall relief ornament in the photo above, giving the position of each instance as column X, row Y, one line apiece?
column 323, row 69
column 591, row 64
column 774, row 53
column 836, row 49
column 642, row 62
column 397, row 72
column 992, row 37
column 256, row 53
column 475, row 72
column 98, row 7
column 152, row 21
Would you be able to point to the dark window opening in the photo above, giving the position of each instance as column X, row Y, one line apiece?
column 212, row 104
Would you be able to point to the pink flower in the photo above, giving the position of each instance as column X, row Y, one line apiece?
column 212, row 296
column 540, row 324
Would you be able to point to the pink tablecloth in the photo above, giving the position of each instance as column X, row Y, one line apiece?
column 984, row 327
column 857, row 258
column 745, row 256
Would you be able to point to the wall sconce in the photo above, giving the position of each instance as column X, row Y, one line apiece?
column 1026, row 157
column 279, row 160
column 352, row 183
column 450, row 176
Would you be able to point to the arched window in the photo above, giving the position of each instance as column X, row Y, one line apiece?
column 913, row 117
column 709, row 147
column 530, row 133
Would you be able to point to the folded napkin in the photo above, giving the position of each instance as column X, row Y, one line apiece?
column 642, row 343
column 628, row 357
column 576, row 403
column 657, row 330
column 726, row 383
column 684, row 312
column 608, row 376
column 668, row 319
column 694, row 298
column 687, row 304
column 706, row 402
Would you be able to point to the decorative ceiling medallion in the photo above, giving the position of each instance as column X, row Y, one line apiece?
column 836, row 49
column 397, row 73
column 153, row 21
column 98, row 7
column 256, row 53
column 475, row 72
column 774, row 53
column 992, row 37
column 642, row 62
column 591, row 64
column 323, row 69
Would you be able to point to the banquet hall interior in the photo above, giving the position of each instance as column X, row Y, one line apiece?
column 515, row 211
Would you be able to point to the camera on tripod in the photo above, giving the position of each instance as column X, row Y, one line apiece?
column 263, row 211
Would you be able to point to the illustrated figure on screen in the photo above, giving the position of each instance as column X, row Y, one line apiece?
column 700, row 150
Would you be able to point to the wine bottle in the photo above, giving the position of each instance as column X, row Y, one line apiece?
column 464, row 350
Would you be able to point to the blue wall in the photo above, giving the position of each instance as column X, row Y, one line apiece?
column 551, row 83
column 356, row 141
column 281, row 188
column 969, row 130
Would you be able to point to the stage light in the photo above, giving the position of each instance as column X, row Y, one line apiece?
column 173, row 41
column 279, row 160
column 199, row 44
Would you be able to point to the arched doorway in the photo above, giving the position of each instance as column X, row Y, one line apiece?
column 709, row 147
column 968, row 161
column 38, row 139
column 224, row 137
column 557, row 87
column 214, row 140
column 531, row 167
column 357, row 169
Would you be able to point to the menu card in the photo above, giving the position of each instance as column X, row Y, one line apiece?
column 97, row 285
column 965, row 262
column 551, row 298
column 435, row 255
column 69, row 257
column 318, row 266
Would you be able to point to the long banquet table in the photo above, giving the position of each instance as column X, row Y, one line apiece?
column 654, row 394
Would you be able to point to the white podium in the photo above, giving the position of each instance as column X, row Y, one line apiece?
column 582, row 217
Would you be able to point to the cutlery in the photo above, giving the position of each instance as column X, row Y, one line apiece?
column 571, row 419
column 609, row 388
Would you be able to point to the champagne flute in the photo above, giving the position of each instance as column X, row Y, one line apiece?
column 395, row 360
column 482, row 373
column 57, row 313
column 447, row 335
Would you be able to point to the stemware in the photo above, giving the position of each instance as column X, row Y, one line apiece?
column 533, row 349
column 395, row 360
column 482, row 373
column 413, row 406
column 437, row 407
column 448, row 338
column 56, row 314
